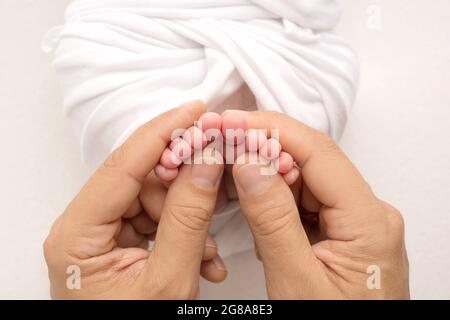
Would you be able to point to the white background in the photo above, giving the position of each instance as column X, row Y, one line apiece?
column 398, row 133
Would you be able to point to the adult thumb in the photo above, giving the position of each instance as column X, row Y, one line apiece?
column 270, row 209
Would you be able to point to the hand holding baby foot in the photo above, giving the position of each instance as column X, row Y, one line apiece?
column 94, row 234
column 228, row 135
column 189, row 144
column 103, row 230
column 184, row 146
column 355, row 251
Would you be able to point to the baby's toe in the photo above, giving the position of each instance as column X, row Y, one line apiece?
column 255, row 140
column 209, row 120
column 286, row 162
column 234, row 126
column 232, row 152
column 166, row 174
column 174, row 143
column 291, row 177
column 181, row 149
column 195, row 138
column 169, row 160
column 211, row 125
column 271, row 149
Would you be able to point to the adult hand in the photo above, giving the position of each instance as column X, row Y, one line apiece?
column 103, row 231
column 355, row 249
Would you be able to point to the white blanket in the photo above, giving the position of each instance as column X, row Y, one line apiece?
column 122, row 62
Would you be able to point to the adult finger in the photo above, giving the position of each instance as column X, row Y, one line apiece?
column 328, row 173
column 271, row 211
column 115, row 185
column 153, row 196
column 184, row 223
column 214, row 270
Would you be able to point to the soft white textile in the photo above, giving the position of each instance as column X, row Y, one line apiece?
column 122, row 62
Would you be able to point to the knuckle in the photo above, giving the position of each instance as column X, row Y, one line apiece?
column 50, row 250
column 48, row 247
column 191, row 218
column 115, row 165
column 114, row 161
column 272, row 219
column 183, row 291
column 396, row 220
column 394, row 216
column 395, row 225
column 175, row 288
column 326, row 143
column 51, row 242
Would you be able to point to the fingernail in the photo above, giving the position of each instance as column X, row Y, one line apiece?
column 210, row 243
column 218, row 262
column 206, row 174
column 251, row 179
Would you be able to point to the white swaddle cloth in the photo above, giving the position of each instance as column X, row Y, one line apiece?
column 122, row 62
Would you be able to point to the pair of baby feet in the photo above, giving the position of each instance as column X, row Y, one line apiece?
column 229, row 135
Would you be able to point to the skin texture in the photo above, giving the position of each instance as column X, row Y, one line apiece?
column 233, row 127
column 106, row 227
column 315, row 238
column 321, row 245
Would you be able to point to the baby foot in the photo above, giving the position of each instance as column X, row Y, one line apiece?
column 196, row 138
column 280, row 160
column 234, row 129
column 184, row 147
column 255, row 140
column 235, row 139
